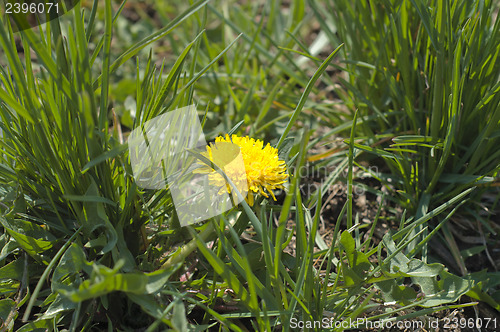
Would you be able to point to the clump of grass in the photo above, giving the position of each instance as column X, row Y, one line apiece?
column 430, row 71
column 428, row 74
column 76, row 210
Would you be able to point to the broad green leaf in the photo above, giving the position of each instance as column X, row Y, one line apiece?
column 9, row 248
column 13, row 270
column 6, row 306
column 179, row 321
column 351, row 278
column 8, row 288
column 447, row 290
column 125, row 282
column 417, row 268
column 71, row 264
column 103, row 280
column 58, row 306
column 40, row 325
column 358, row 262
column 157, row 279
column 397, row 264
column 392, row 292
column 38, row 240
column 28, row 228
column 93, row 217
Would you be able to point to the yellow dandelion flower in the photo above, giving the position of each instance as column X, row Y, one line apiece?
column 264, row 171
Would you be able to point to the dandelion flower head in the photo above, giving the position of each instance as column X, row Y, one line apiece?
column 264, row 171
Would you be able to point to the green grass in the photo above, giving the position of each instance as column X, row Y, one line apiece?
column 429, row 73
column 438, row 64
column 84, row 248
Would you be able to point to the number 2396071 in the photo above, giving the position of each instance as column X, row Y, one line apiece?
column 31, row 8
column 485, row 323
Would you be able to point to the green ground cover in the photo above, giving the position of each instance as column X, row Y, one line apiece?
column 386, row 115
